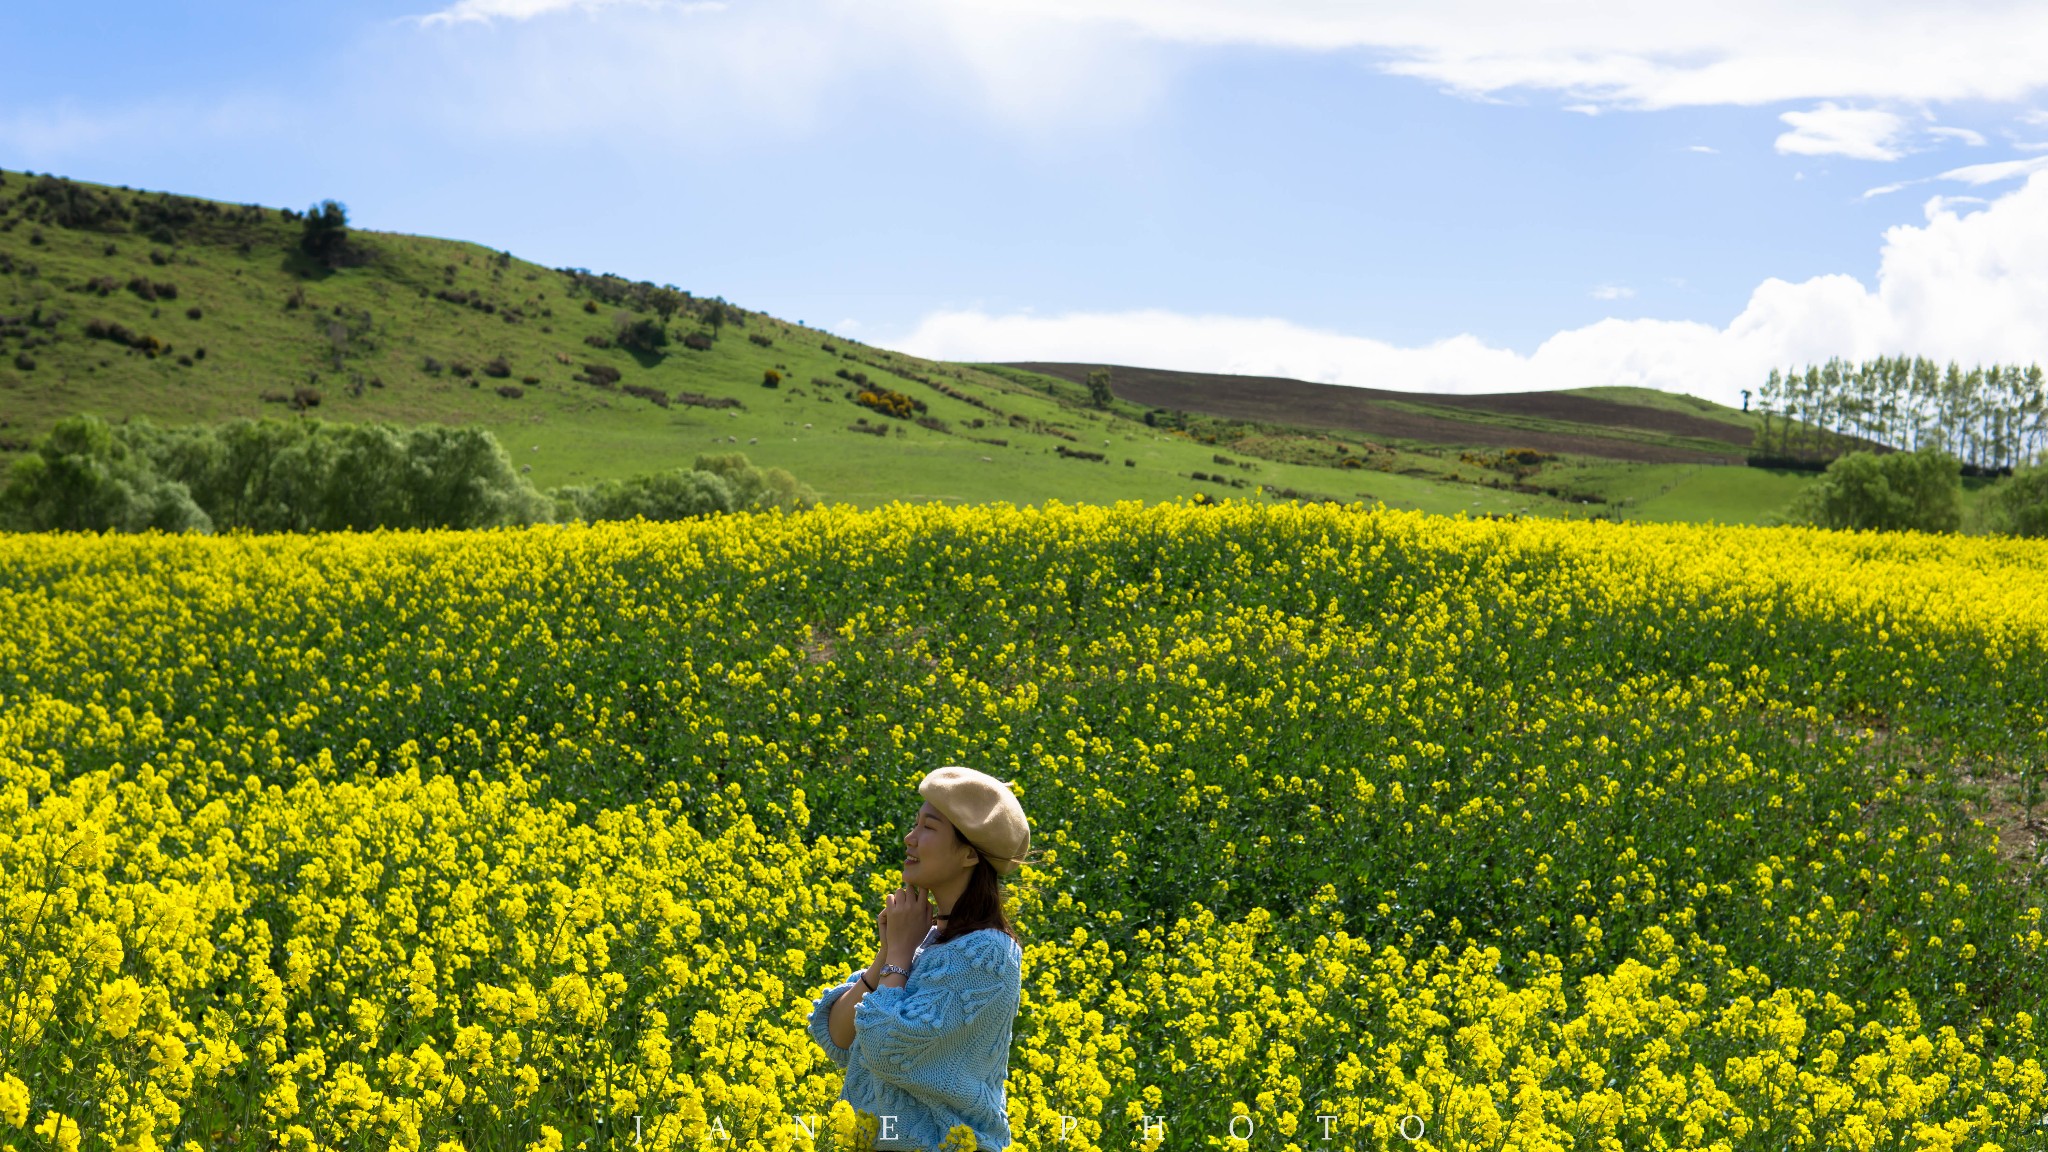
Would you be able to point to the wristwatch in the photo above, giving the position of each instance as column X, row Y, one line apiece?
column 896, row 968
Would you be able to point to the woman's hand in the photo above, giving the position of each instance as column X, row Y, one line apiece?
column 906, row 918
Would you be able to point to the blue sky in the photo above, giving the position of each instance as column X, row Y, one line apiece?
column 1401, row 195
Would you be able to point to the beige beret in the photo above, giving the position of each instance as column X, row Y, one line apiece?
column 984, row 810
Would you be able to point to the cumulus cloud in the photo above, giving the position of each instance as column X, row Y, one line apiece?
column 1965, row 287
column 1859, row 133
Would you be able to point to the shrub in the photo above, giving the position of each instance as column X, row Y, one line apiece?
column 771, row 379
column 2018, row 506
column 497, row 368
column 529, row 381
column 680, row 494
column 697, row 341
column 193, row 313
column 1894, row 491
column 304, row 398
column 644, row 392
column 100, row 329
column 590, row 306
column 431, row 366
column 758, row 338
column 459, row 368
column 602, row 375
column 644, row 334
column 889, row 402
column 702, row 401
column 597, row 340
column 830, row 347
column 23, row 362
column 511, row 391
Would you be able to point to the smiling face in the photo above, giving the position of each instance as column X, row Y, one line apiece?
column 933, row 852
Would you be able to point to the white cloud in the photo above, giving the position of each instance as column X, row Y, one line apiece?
column 37, row 135
column 766, row 63
column 1702, row 148
column 1038, row 61
column 1828, row 130
column 487, row 11
column 1613, row 292
column 1625, row 53
column 1938, row 204
column 1973, row 139
column 1977, row 174
column 1974, row 175
column 1973, row 288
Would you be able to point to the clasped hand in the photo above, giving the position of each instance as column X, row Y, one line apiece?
column 906, row 918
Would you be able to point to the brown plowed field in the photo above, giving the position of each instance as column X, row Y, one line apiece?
column 1373, row 412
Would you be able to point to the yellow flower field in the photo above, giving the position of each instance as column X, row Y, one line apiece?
column 1362, row 829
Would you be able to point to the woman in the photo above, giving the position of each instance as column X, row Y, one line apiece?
column 923, row 1032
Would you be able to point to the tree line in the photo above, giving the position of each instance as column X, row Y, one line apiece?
column 275, row 475
column 1992, row 418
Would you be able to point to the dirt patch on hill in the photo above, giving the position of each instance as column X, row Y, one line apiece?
column 1382, row 413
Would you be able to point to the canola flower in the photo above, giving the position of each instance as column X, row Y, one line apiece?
column 1358, row 824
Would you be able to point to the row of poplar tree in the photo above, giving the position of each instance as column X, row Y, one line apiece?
column 1992, row 418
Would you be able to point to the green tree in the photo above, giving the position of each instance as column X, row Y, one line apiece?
column 758, row 489
column 83, row 478
column 324, row 234
column 463, row 478
column 2018, row 506
column 1098, row 388
column 1894, row 491
column 678, row 494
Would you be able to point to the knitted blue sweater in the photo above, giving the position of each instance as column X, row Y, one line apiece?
column 935, row 1052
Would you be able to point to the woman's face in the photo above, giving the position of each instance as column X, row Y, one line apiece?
column 932, row 853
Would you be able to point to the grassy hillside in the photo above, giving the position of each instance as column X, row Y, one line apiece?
column 150, row 305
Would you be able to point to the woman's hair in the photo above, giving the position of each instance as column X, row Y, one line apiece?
column 981, row 905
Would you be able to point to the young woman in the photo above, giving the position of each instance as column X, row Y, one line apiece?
column 923, row 1033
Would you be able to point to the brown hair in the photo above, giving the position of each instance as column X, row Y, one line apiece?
column 981, row 905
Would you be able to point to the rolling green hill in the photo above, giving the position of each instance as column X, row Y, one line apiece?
column 149, row 305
